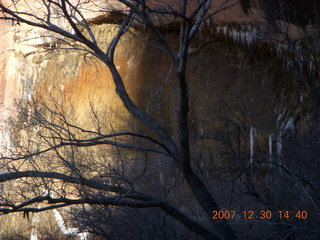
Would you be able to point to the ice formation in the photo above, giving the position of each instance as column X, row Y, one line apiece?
column 68, row 231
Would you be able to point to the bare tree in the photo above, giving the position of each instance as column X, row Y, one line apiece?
column 64, row 136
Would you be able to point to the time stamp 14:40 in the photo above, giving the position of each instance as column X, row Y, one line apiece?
column 262, row 214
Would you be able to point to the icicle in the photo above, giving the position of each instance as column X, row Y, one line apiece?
column 219, row 30
column 284, row 46
column 254, row 32
column 310, row 67
column 289, row 65
column 301, row 58
column 225, row 31
column 83, row 235
column 161, row 178
column 301, row 98
column 230, row 33
column 270, row 150
column 278, row 49
column 60, row 222
column 279, row 153
column 242, row 37
column 247, row 39
column 5, row 141
column 173, row 180
column 34, row 227
column 290, row 128
column 235, row 35
column 68, row 231
column 251, row 144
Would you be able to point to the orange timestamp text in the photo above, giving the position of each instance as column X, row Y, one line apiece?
column 261, row 214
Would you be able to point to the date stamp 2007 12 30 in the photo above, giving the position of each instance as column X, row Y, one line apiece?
column 259, row 215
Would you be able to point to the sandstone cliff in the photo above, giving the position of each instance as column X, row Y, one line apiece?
column 239, row 87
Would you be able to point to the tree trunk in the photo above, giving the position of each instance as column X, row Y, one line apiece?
column 208, row 204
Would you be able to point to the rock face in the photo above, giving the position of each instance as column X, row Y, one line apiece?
column 5, row 51
column 19, row 41
column 235, row 80
column 231, row 81
column 232, row 84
